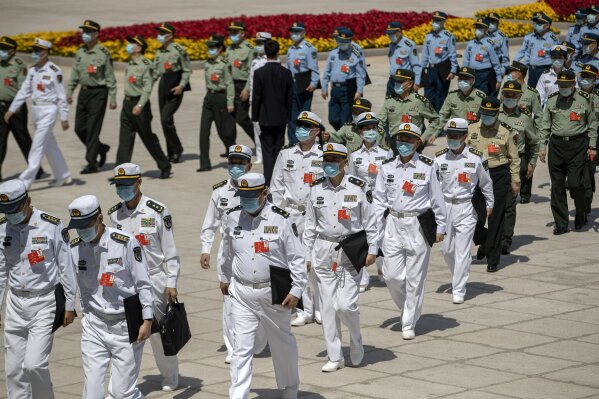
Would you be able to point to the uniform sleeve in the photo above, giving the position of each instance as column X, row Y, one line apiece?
column 537, row 111
column 382, row 115
column 505, row 53
column 338, row 137
column 467, row 52
column 429, row 113
column 74, row 79
column 361, row 74
column 593, row 123
column 485, row 183
column 545, row 131
column 415, row 62
column 226, row 262
column 185, row 67
column 230, row 87
column 533, row 142
column 295, row 260
column 437, row 203
column 514, row 157
column 277, row 184
column 523, row 55
column 66, row 266
column 21, row 75
column 24, row 92
column 542, row 92
column 496, row 62
column 210, row 225
column 444, row 114
column 425, row 56
column 246, row 67
column 169, row 249
column 110, row 79
column 379, row 202
column 3, row 275
column 309, row 228
column 312, row 61
column 141, row 278
column 453, row 55
column 351, row 168
column 63, row 106
column 326, row 78
column 369, row 224
column 155, row 70
column 148, row 81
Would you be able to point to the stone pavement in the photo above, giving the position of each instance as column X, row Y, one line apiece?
column 529, row 331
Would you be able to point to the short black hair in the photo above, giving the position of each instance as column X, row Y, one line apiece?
column 271, row 48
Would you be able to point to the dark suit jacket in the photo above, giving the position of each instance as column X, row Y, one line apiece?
column 271, row 96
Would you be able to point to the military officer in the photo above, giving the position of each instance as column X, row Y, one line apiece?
column 151, row 223
column 500, row 40
column 530, row 98
column 171, row 65
column 440, row 58
column 408, row 190
column 302, row 61
column 534, row 52
column 498, row 143
column 45, row 87
column 298, row 166
column 590, row 51
column 546, row 85
column 460, row 170
column 92, row 70
column 239, row 57
column 259, row 236
column 349, row 134
column 569, row 125
column 461, row 103
column 575, row 31
column 219, row 98
column 592, row 25
column 35, row 259
column 111, row 267
column 346, row 72
column 571, row 48
column 136, row 115
column 480, row 55
column 520, row 120
column 406, row 106
column 402, row 54
column 12, row 75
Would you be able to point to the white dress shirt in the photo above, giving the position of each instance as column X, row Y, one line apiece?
column 547, row 85
column 365, row 163
column 223, row 198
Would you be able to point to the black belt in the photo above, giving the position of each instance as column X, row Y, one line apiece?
column 569, row 138
column 339, row 84
column 215, row 91
column 131, row 98
column 482, row 70
column 540, row 66
column 522, row 154
column 93, row 87
column 504, row 166
column 239, row 81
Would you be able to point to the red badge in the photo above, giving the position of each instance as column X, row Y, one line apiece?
column 296, row 62
column 373, row 169
column 334, row 267
column 35, row 257
column 406, row 118
column 168, row 66
column 107, row 279
column 408, row 188
column 343, row 214
column 132, row 79
column 40, row 87
column 7, row 82
column 345, row 68
column 478, row 57
column 574, row 116
column 438, row 50
column 141, row 238
column 493, row 149
column 463, row 177
column 308, row 178
column 470, row 116
column 399, row 61
column 261, row 247
column 92, row 69
column 541, row 53
column 214, row 77
column 237, row 63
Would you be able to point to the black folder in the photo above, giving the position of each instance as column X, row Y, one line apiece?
column 303, row 80
column 61, row 301
column 172, row 79
column 134, row 316
column 280, row 285
column 429, row 226
column 355, row 247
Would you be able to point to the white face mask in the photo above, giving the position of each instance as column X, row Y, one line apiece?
column 585, row 83
column 479, row 33
column 566, row 91
column 557, row 64
column 539, row 28
column 464, row 85
column 591, row 19
column 510, row 103
column 436, row 26
column 492, row 27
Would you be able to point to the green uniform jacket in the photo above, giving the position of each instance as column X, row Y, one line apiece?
column 173, row 58
column 532, row 102
column 219, row 78
column 348, row 136
column 93, row 68
column 457, row 105
column 569, row 117
column 414, row 109
column 239, row 59
column 138, row 79
column 12, row 75
column 522, row 123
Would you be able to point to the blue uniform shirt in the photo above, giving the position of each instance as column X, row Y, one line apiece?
column 500, row 42
column 404, row 55
column 585, row 59
column 439, row 47
column 343, row 65
column 480, row 54
column 535, row 49
column 574, row 34
column 302, row 58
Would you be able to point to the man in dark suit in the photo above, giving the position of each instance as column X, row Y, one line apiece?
column 271, row 105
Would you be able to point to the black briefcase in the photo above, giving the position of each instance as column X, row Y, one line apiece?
column 429, row 226
column 280, row 285
column 174, row 328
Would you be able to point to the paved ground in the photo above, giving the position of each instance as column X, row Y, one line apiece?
column 529, row 331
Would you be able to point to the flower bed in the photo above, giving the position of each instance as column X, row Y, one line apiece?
column 557, row 10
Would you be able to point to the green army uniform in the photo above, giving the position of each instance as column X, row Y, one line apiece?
column 171, row 65
column 220, row 93
column 12, row 75
column 521, row 122
column 498, row 145
column 349, row 136
column 138, row 87
column 94, row 72
column 413, row 109
column 532, row 103
column 456, row 105
column 591, row 166
column 568, row 125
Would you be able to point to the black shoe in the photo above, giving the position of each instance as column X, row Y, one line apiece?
column 491, row 268
column 558, row 231
column 481, row 253
column 166, row 173
column 103, row 153
column 41, row 174
column 524, row 200
column 89, row 169
column 505, row 251
column 204, row 169
column 176, row 158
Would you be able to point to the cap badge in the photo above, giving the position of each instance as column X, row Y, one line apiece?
column 244, row 183
column 368, row 116
column 452, row 124
column 330, row 147
column 488, row 105
column 238, row 148
column 121, row 171
column 305, row 115
column 3, row 197
column 75, row 213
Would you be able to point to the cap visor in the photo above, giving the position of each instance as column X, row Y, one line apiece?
column 123, row 181
column 80, row 223
column 248, row 193
column 465, row 75
column 455, row 132
column 11, row 208
column 239, row 155
column 491, row 112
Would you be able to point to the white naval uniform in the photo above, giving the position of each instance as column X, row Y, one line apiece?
column 365, row 164
column 34, row 259
column 459, row 174
column 547, row 85
column 45, row 86
column 406, row 251
column 338, row 281
column 293, row 172
column 105, row 337
column 223, row 199
column 253, row 244
column 257, row 63
column 151, row 223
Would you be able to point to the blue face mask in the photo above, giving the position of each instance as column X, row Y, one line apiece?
column 250, row 205
column 591, row 18
column 234, row 38
column 436, row 26
column 130, row 48
column 35, row 57
column 126, row 193
column 236, row 171
column 585, row 83
column 86, row 37
column 343, row 46
column 87, row 234
column 302, row 133
column 464, row 85
column 510, row 102
column 212, row 52
column 393, row 37
column 479, row 33
column 15, row 218
column 454, row 144
column 557, row 64
column 161, row 39
column 488, row 120
column 492, row 27
column 370, row 135
column 296, row 37
column 587, row 49
column 405, row 149
column 539, row 28
column 331, row 169
column 260, row 49
column 398, row 88
column 3, row 55
column 510, row 78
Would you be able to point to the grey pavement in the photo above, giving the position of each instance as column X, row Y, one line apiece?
column 530, row 330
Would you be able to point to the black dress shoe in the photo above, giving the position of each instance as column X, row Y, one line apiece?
column 204, row 169
column 103, row 153
column 491, row 268
column 558, row 231
column 524, row 200
column 176, row 158
column 505, row 251
column 89, row 169
column 41, row 174
column 165, row 174
column 481, row 253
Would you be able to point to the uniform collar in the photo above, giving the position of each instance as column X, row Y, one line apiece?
column 103, row 243
column 230, row 186
column 300, row 45
column 463, row 154
column 328, row 186
column 374, row 148
column 93, row 49
column 262, row 215
column 312, row 150
column 410, row 164
column 140, row 208
column 167, row 48
column 9, row 61
column 515, row 113
column 238, row 45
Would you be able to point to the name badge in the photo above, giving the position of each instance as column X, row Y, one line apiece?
column 261, row 247
column 343, row 214
column 419, row 176
column 148, row 222
column 35, row 257
column 463, row 177
column 271, row 229
column 107, row 279
column 408, row 188
column 142, row 239
column 39, row 240
column 350, row 198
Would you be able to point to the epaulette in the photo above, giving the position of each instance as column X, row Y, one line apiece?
column 356, row 52
column 422, row 98
column 348, row 124
column 154, row 205
column 249, row 44
column 505, row 125
column 356, row 181
column 534, row 90
column 579, row 64
column 426, row 160
column 288, row 146
column 280, row 211
column 146, row 61
column 491, row 41
column 447, row 33
column 54, row 68
column 584, row 94
column 596, row 92
column 82, row 46
column 526, row 112
column 317, row 181
column 501, row 33
column 179, row 48
column 75, row 242
column 409, row 43
column 118, row 237
column 219, row 184
column 546, row 71
column 3, row 220
column 50, row 219
column 308, row 44
column 236, row 208
column 553, row 95
column 441, row 152
column 480, row 93
column 453, row 91
column 115, row 208
column 18, row 60
column 105, row 50
column 553, row 37
column 389, row 160
column 476, row 152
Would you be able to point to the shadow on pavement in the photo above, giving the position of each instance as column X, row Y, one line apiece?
column 521, row 240
column 188, row 386
column 432, row 322
column 276, row 393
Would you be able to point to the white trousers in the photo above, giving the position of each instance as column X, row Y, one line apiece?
column 405, row 266
column 310, row 296
column 44, row 144
column 339, row 292
column 257, row 141
column 250, row 308
column 461, row 221
column 27, row 344
column 101, row 342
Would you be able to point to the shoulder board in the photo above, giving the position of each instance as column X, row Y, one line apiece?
column 553, row 37
column 554, row 94
column 154, row 205
column 3, row 220
column 288, row 146
column 179, row 48
column 356, row 52
column 317, row 182
column 480, row 93
column 422, row 98
column 308, row 44
column 579, row 64
column 476, row 152
column 583, row 93
column 356, row 181
column 248, row 44
column 115, row 208
column 389, row 160
column 426, row 160
column 237, row 208
column 54, row 67
column 491, row 41
column 389, row 97
column 18, row 60
column 348, row 124
column 533, row 89
column 525, row 112
column 443, row 151
column 501, row 33
column 454, row 91
column 447, row 33
column 146, row 61
column 280, row 211
column 219, row 184
column 123, row 239
column 409, row 43
column 81, row 47
column 50, row 218
column 596, row 92
column 75, row 242
column 505, row 125
column 105, row 50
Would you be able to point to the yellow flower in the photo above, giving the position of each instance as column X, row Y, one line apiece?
column 524, row 11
